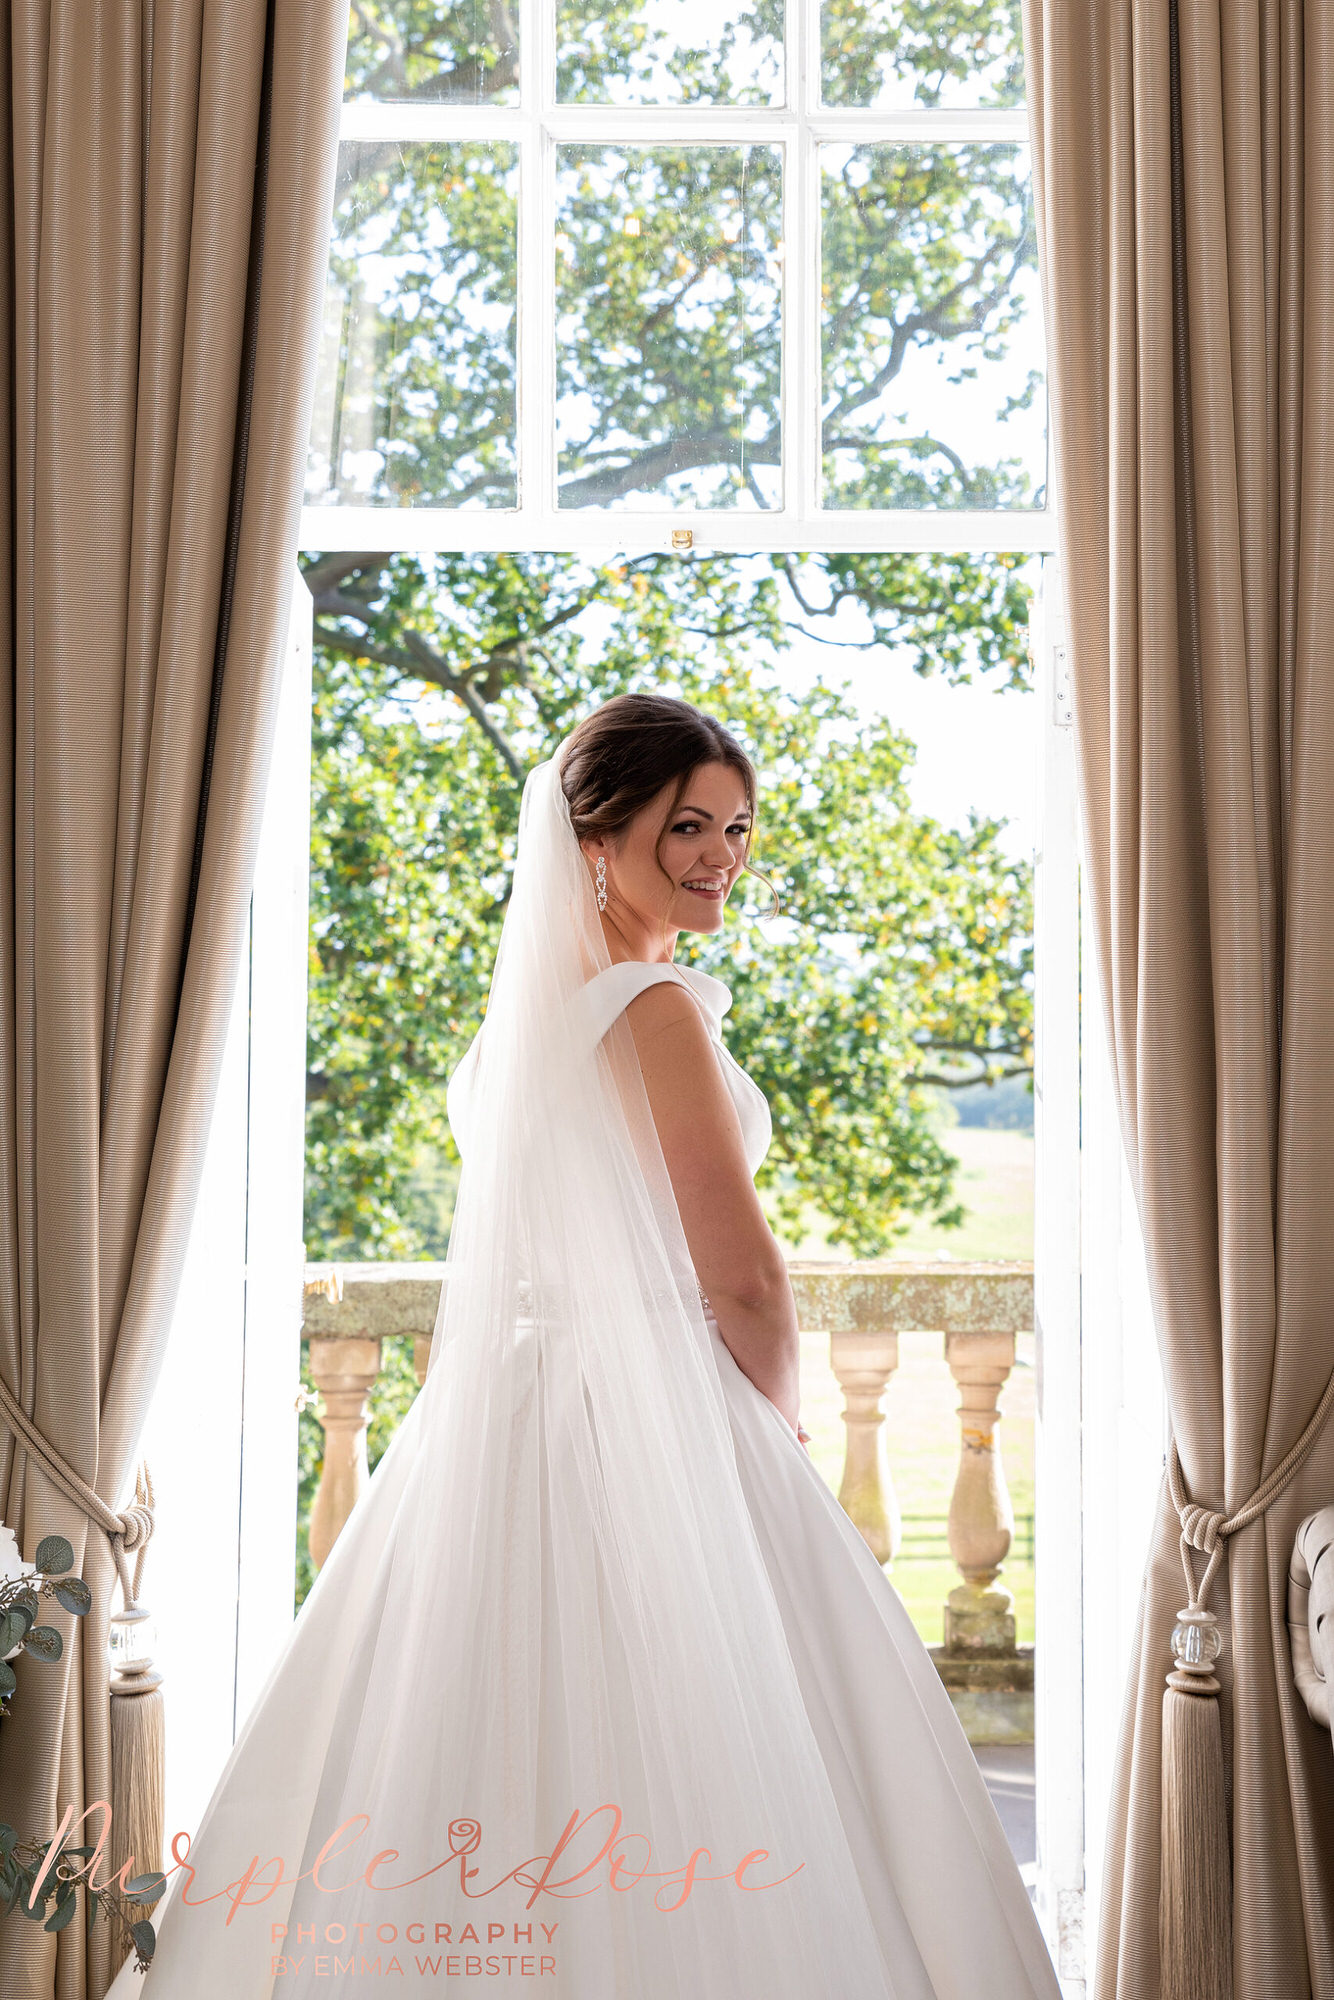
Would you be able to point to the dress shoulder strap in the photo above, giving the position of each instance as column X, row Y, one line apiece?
column 609, row 992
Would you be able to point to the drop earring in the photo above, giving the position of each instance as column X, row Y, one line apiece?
column 602, row 883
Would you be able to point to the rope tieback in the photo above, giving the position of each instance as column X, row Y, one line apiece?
column 1195, row 1899
column 128, row 1530
column 1205, row 1529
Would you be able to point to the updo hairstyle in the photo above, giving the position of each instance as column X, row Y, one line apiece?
column 621, row 755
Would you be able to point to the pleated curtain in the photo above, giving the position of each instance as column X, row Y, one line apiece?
column 166, row 179
column 1184, row 161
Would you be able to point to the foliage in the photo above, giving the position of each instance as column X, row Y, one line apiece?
column 25, row 1858
column 901, row 958
column 20, row 1601
column 922, row 52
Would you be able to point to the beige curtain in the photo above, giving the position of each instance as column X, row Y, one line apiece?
column 166, row 178
column 1185, row 181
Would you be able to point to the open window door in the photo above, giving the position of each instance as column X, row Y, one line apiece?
column 220, row 1437
column 1101, row 1414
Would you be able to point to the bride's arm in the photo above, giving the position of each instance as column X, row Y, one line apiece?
column 737, row 1260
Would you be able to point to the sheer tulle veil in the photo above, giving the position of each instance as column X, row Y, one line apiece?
column 573, row 1621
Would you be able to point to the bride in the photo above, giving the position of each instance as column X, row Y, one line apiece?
column 599, row 1692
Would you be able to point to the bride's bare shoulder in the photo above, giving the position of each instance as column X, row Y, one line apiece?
column 667, row 1006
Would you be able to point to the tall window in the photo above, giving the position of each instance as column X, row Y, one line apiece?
column 613, row 271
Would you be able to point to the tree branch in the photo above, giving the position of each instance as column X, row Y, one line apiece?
column 423, row 663
column 650, row 467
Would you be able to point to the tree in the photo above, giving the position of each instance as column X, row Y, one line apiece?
column 902, row 955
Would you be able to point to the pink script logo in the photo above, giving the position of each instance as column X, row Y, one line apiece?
column 465, row 1837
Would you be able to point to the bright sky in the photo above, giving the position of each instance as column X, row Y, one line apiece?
column 976, row 747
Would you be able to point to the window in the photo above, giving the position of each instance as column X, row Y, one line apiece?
column 610, row 271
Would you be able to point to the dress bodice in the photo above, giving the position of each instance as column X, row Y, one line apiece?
column 605, row 997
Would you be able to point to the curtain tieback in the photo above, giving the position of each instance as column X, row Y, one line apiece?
column 1195, row 1895
column 128, row 1530
column 1206, row 1530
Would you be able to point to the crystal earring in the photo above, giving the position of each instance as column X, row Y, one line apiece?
column 602, row 883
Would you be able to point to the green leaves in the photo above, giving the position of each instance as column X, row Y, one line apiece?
column 53, row 1902
column 44, row 1642
column 20, row 1601
column 54, row 1554
column 73, row 1593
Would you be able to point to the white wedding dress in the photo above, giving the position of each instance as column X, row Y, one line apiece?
column 781, row 1702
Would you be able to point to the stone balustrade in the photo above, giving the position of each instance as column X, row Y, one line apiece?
column 863, row 1308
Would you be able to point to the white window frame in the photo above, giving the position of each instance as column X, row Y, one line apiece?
column 537, row 126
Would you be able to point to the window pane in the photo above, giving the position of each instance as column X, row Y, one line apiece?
column 922, row 52
column 668, row 274
column 415, row 397
column 932, row 386
column 429, row 52
column 669, row 52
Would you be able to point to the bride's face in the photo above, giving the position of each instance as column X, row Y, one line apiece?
column 702, row 849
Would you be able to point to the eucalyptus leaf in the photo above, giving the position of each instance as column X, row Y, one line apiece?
column 147, row 1886
column 145, row 1937
column 54, row 1554
column 45, row 1642
column 75, row 1595
column 8, row 1682
column 63, row 1911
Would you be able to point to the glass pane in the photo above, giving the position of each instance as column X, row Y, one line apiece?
column 922, row 52
column 932, row 385
column 669, row 52
column 415, row 397
column 429, row 52
column 668, row 273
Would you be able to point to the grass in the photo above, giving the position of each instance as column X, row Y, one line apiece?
column 995, row 1185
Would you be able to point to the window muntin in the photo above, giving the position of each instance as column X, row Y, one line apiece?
column 684, row 314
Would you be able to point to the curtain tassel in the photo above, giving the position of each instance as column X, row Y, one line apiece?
column 1195, row 1906
column 138, row 1721
column 1195, row 1896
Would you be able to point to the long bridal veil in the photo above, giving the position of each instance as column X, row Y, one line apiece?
column 567, row 1633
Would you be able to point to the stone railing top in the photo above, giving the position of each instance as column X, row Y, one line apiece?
column 875, row 1295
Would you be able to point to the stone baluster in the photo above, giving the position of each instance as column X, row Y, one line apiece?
column 989, row 1676
column 863, row 1361
column 979, row 1614
column 344, row 1369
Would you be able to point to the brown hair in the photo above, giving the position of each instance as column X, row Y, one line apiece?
column 619, row 758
